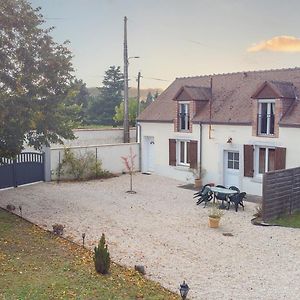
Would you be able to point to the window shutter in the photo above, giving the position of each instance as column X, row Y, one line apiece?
column 280, row 154
column 193, row 154
column 172, row 152
column 248, row 161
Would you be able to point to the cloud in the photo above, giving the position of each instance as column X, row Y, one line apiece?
column 283, row 43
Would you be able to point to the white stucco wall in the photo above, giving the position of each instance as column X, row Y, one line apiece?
column 213, row 150
column 162, row 132
column 110, row 156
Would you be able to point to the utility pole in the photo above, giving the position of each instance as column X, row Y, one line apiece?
column 138, row 105
column 138, row 93
column 126, row 117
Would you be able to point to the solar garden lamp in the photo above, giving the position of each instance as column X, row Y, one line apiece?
column 83, row 237
column 184, row 289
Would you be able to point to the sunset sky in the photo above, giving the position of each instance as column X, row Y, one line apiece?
column 176, row 38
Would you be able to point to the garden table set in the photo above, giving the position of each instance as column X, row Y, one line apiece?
column 219, row 192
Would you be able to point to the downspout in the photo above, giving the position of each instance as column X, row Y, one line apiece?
column 210, row 107
column 200, row 150
column 139, row 137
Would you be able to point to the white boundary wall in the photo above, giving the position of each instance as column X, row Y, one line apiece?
column 109, row 154
column 86, row 137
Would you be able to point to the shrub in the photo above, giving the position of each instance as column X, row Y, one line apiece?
column 215, row 212
column 102, row 257
column 82, row 166
column 58, row 229
column 259, row 212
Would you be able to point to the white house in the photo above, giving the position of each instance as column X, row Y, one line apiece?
column 234, row 127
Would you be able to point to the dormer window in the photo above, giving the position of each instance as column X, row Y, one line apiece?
column 184, row 118
column 190, row 100
column 266, row 117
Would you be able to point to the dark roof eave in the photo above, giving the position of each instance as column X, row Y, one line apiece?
column 222, row 123
column 295, row 125
column 155, row 121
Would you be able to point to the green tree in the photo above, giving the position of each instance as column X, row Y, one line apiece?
column 102, row 108
column 132, row 111
column 155, row 95
column 149, row 99
column 35, row 81
column 80, row 96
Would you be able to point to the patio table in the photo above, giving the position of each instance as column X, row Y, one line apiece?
column 227, row 192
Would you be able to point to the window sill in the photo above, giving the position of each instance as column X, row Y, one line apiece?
column 267, row 135
column 184, row 131
column 182, row 167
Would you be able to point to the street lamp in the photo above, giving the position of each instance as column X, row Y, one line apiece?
column 184, row 289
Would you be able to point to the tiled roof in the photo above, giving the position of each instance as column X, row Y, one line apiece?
column 285, row 89
column 231, row 96
column 196, row 92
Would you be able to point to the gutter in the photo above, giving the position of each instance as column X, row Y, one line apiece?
column 139, row 137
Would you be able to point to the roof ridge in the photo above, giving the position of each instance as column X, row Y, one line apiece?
column 240, row 72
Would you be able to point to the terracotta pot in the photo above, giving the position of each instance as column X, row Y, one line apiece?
column 198, row 183
column 213, row 222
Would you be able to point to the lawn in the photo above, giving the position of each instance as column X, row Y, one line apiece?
column 289, row 221
column 35, row 264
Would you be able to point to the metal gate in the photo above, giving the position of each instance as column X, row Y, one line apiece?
column 28, row 167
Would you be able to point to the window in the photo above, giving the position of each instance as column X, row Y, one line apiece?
column 184, row 152
column 266, row 159
column 184, row 122
column 266, row 111
column 233, row 161
column 261, row 159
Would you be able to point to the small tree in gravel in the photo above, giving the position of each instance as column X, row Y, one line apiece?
column 102, row 257
column 130, row 166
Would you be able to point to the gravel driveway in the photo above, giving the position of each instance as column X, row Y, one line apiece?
column 162, row 228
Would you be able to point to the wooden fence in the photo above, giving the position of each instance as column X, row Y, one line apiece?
column 281, row 193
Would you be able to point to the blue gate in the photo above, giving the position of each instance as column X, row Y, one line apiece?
column 28, row 167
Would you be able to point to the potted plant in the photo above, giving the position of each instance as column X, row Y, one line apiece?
column 198, row 174
column 214, row 216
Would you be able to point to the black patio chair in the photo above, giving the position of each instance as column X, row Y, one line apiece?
column 235, row 189
column 221, row 196
column 205, row 195
column 237, row 199
column 198, row 194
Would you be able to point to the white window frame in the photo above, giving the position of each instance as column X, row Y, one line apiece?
column 269, row 103
column 178, row 152
column 186, row 122
column 256, row 153
column 233, row 160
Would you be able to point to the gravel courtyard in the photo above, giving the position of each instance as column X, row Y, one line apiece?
column 162, row 228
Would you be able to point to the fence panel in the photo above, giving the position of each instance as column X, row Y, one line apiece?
column 281, row 193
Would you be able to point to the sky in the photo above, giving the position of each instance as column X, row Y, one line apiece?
column 176, row 38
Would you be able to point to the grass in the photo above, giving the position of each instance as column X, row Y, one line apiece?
column 289, row 221
column 35, row 264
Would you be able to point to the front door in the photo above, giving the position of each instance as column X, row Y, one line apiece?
column 150, row 154
column 231, row 168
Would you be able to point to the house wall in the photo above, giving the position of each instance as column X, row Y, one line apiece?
column 162, row 132
column 213, row 151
